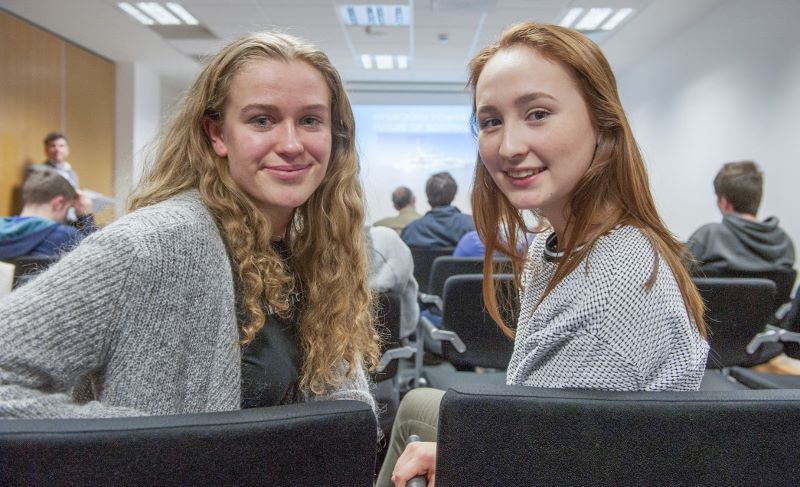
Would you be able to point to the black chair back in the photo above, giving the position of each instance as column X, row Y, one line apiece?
column 423, row 262
column 446, row 266
column 26, row 268
column 318, row 443
column 792, row 319
column 465, row 314
column 736, row 310
column 502, row 436
column 783, row 279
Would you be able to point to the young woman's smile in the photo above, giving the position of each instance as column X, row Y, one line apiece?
column 535, row 135
column 276, row 135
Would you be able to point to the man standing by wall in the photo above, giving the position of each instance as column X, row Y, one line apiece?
column 56, row 148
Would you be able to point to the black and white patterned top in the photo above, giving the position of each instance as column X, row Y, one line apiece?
column 599, row 328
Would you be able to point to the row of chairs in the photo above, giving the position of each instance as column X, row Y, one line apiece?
column 492, row 434
column 463, row 291
column 489, row 435
column 737, row 310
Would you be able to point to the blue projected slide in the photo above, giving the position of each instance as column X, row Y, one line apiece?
column 402, row 145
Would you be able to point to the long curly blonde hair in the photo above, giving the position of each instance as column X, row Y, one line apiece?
column 615, row 185
column 325, row 238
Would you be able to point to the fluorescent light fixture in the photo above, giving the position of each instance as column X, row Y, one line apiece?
column 571, row 16
column 366, row 61
column 387, row 15
column 159, row 13
column 384, row 61
column 593, row 18
column 135, row 13
column 402, row 61
column 182, row 13
column 618, row 17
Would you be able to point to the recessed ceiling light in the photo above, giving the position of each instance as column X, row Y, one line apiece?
column 135, row 13
column 618, row 17
column 384, row 61
column 151, row 13
column 159, row 13
column 402, row 61
column 394, row 15
column 366, row 61
column 593, row 18
column 182, row 13
column 571, row 16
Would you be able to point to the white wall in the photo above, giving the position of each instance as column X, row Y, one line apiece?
column 726, row 89
column 138, row 117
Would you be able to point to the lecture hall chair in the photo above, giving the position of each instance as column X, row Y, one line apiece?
column 318, row 443
column 493, row 435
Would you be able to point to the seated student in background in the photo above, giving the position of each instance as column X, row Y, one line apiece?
column 39, row 230
column 391, row 270
column 404, row 202
column 470, row 245
column 607, row 302
column 741, row 242
column 243, row 231
column 444, row 224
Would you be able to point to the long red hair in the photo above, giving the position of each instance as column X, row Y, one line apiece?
column 615, row 187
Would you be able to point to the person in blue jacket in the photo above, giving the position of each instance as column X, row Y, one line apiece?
column 39, row 230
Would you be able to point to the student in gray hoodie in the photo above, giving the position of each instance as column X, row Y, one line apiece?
column 741, row 242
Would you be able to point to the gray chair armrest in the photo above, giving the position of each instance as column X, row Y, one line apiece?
column 431, row 299
column 772, row 335
column 394, row 354
column 442, row 335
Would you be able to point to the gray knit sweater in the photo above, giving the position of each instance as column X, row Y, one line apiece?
column 600, row 329
column 139, row 319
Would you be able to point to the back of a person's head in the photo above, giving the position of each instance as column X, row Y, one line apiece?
column 441, row 189
column 42, row 185
column 401, row 197
column 741, row 183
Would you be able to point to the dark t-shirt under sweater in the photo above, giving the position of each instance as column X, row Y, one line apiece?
column 272, row 362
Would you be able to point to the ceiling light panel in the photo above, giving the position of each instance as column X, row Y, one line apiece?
column 155, row 14
column 617, row 18
column 402, row 61
column 366, row 61
column 388, row 15
column 182, row 13
column 135, row 13
column 593, row 18
column 159, row 13
column 384, row 61
column 571, row 16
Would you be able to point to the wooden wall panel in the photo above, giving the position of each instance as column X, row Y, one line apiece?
column 40, row 91
column 30, row 100
column 89, row 119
